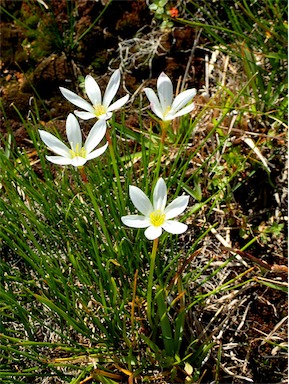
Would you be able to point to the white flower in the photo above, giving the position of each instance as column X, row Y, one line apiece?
column 100, row 108
column 164, row 106
column 156, row 216
column 77, row 155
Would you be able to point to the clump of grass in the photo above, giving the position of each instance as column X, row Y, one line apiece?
column 51, row 27
column 255, row 35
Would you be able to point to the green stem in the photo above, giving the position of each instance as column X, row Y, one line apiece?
column 159, row 160
column 249, row 243
column 164, row 127
column 99, row 215
column 91, row 25
column 150, row 280
column 118, row 193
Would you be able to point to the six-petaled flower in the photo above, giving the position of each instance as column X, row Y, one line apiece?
column 156, row 216
column 78, row 154
column 100, row 108
column 163, row 105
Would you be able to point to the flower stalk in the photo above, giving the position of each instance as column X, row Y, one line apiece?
column 118, row 192
column 99, row 215
column 164, row 128
column 83, row 174
column 150, row 280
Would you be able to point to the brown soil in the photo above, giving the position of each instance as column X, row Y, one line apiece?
column 25, row 75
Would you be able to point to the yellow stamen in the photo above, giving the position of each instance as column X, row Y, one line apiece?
column 167, row 110
column 99, row 109
column 81, row 152
column 157, row 218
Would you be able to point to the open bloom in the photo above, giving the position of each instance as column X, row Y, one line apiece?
column 77, row 154
column 164, row 106
column 156, row 216
column 100, row 108
column 173, row 12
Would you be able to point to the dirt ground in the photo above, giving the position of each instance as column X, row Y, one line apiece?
column 32, row 64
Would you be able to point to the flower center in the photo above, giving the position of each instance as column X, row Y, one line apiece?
column 99, row 109
column 167, row 110
column 157, row 218
column 81, row 152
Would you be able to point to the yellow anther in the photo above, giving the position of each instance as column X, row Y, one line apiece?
column 81, row 152
column 157, row 218
column 99, row 109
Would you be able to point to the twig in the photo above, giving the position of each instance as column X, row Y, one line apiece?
column 191, row 58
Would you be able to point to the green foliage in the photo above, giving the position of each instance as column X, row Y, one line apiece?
column 160, row 9
column 51, row 29
column 78, row 262
column 255, row 33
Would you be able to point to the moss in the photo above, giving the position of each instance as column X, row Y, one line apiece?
column 32, row 21
column 99, row 62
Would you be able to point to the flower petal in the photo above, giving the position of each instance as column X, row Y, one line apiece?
column 154, row 102
column 111, row 88
column 85, row 115
column 160, row 195
column 60, row 160
column 92, row 90
column 105, row 116
column 135, row 221
column 97, row 152
column 152, row 232
column 54, row 144
column 95, row 135
column 76, row 100
column 140, row 200
column 73, row 132
column 176, row 207
column 118, row 104
column 182, row 99
column 78, row 161
column 182, row 112
column 165, row 91
column 174, row 227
